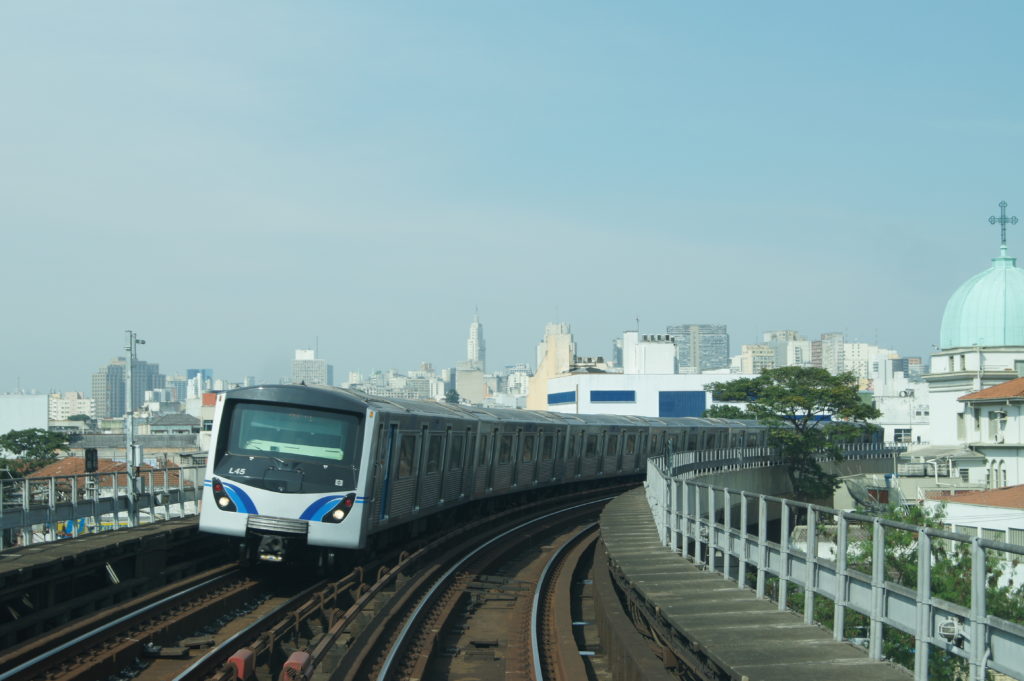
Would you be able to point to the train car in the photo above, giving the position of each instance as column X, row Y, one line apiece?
column 293, row 467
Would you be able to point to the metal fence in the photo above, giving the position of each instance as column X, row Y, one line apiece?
column 46, row 509
column 846, row 557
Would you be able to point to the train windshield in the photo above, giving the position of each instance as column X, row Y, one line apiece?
column 290, row 449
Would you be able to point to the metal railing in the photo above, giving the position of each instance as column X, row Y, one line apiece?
column 34, row 510
column 727, row 531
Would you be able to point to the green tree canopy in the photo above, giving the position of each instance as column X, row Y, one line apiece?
column 452, row 396
column 32, row 449
column 810, row 412
column 726, row 411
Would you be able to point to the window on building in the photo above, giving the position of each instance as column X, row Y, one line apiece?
column 613, row 396
column 901, row 435
column 965, row 474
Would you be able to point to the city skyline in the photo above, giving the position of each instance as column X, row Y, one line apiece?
column 236, row 181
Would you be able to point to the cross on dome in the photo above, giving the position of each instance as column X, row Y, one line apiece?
column 1003, row 221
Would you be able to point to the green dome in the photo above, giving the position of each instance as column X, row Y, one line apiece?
column 988, row 309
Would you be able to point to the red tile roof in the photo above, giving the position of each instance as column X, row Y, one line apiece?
column 1008, row 390
column 1004, row 497
column 75, row 465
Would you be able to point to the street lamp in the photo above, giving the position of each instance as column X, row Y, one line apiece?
column 132, row 453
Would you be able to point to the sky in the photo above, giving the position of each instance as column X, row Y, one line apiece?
column 236, row 180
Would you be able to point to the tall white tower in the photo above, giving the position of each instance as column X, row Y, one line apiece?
column 476, row 351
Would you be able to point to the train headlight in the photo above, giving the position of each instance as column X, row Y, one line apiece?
column 341, row 509
column 220, row 495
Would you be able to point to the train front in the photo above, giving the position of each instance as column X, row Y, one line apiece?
column 283, row 471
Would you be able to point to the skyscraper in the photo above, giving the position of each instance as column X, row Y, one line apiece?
column 476, row 350
column 700, row 347
column 108, row 385
column 309, row 369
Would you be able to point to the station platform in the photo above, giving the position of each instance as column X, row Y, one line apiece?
column 715, row 627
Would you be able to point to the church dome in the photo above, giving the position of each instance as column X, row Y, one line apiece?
column 988, row 309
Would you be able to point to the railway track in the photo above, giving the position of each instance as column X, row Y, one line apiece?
column 485, row 611
column 465, row 603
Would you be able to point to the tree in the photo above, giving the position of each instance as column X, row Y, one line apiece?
column 33, row 449
column 809, row 412
column 726, row 411
column 452, row 396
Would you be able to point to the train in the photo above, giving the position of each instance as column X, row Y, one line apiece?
column 294, row 468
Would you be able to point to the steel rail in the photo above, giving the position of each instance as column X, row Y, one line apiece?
column 262, row 624
column 538, row 673
column 385, row 669
column 105, row 628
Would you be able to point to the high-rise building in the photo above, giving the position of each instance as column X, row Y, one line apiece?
column 62, row 406
column 833, row 355
column 700, row 347
column 108, row 386
column 309, row 369
column 756, row 358
column 476, row 350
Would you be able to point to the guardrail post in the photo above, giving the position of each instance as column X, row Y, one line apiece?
column 26, row 503
column 784, row 554
column 978, row 639
column 877, row 590
column 810, row 574
column 727, row 550
column 741, row 577
column 711, row 528
column 762, row 543
column 698, row 544
column 842, row 577
column 684, row 519
column 924, row 599
column 51, row 510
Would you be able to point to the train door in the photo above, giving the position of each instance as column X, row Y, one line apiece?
column 482, row 475
column 387, row 437
column 546, row 465
column 527, row 464
column 430, row 477
column 404, row 485
column 491, row 463
column 454, row 463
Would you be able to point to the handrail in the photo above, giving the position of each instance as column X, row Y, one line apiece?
column 725, row 530
column 34, row 510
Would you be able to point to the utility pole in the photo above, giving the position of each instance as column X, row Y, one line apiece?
column 133, row 453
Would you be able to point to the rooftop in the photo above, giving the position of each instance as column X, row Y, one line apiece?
column 1003, row 391
column 1004, row 497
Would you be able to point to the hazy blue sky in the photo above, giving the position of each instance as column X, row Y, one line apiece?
column 233, row 180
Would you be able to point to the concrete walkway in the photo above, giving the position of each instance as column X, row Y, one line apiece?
column 716, row 626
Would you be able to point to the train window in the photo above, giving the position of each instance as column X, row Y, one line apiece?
column 458, row 444
column 434, row 450
column 590, row 446
column 485, row 444
column 505, row 449
column 407, row 456
column 258, row 430
column 630, row 444
column 547, row 451
column 613, row 445
column 528, row 448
